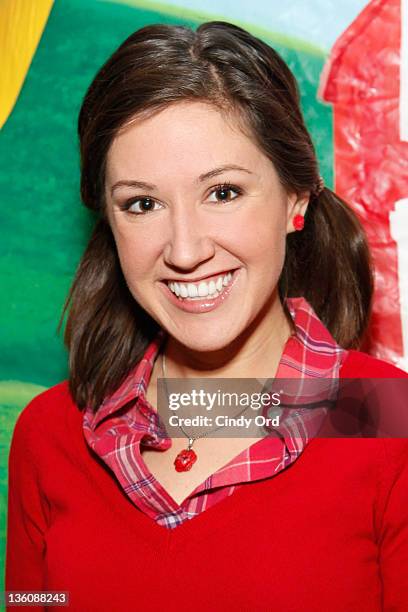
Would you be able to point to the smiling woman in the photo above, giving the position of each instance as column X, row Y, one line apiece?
column 189, row 231
column 217, row 254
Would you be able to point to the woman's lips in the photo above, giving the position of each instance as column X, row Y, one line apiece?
column 206, row 304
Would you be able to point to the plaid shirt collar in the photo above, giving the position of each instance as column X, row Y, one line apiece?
column 311, row 353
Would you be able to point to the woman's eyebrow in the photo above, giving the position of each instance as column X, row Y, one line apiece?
column 220, row 170
column 130, row 183
column 201, row 178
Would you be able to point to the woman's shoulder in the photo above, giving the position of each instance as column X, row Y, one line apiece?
column 47, row 411
column 389, row 397
column 361, row 365
column 48, row 401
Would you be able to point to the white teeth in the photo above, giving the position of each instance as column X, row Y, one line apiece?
column 192, row 290
column 183, row 291
column 201, row 289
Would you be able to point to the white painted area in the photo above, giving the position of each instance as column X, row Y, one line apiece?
column 404, row 72
column 319, row 22
column 399, row 233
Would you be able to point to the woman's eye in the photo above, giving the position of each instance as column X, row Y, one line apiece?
column 140, row 206
column 225, row 193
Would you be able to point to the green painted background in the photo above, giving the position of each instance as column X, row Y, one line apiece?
column 43, row 226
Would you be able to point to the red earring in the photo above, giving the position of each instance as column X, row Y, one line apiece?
column 298, row 222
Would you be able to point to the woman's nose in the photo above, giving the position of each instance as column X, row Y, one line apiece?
column 189, row 241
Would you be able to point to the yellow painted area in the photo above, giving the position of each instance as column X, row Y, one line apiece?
column 22, row 23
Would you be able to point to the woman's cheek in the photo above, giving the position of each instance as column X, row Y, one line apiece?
column 133, row 262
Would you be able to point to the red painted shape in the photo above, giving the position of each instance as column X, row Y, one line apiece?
column 361, row 80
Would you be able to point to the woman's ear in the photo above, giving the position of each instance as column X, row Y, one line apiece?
column 297, row 205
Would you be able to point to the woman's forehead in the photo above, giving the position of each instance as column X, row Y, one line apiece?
column 192, row 137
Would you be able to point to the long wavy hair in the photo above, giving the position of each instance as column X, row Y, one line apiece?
column 328, row 262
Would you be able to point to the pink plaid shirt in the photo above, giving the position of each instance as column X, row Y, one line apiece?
column 116, row 437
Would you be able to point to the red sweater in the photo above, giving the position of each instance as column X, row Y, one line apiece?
column 328, row 533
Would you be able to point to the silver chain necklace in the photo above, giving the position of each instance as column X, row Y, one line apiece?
column 187, row 457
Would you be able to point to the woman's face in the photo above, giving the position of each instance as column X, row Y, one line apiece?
column 196, row 209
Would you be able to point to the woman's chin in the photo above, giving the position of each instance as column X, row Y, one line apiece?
column 204, row 340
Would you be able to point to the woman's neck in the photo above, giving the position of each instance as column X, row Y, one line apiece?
column 254, row 354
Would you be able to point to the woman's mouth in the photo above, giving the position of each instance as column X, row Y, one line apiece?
column 206, row 288
column 203, row 295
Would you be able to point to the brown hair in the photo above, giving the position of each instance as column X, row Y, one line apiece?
column 327, row 263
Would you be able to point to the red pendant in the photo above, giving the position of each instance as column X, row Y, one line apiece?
column 185, row 460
